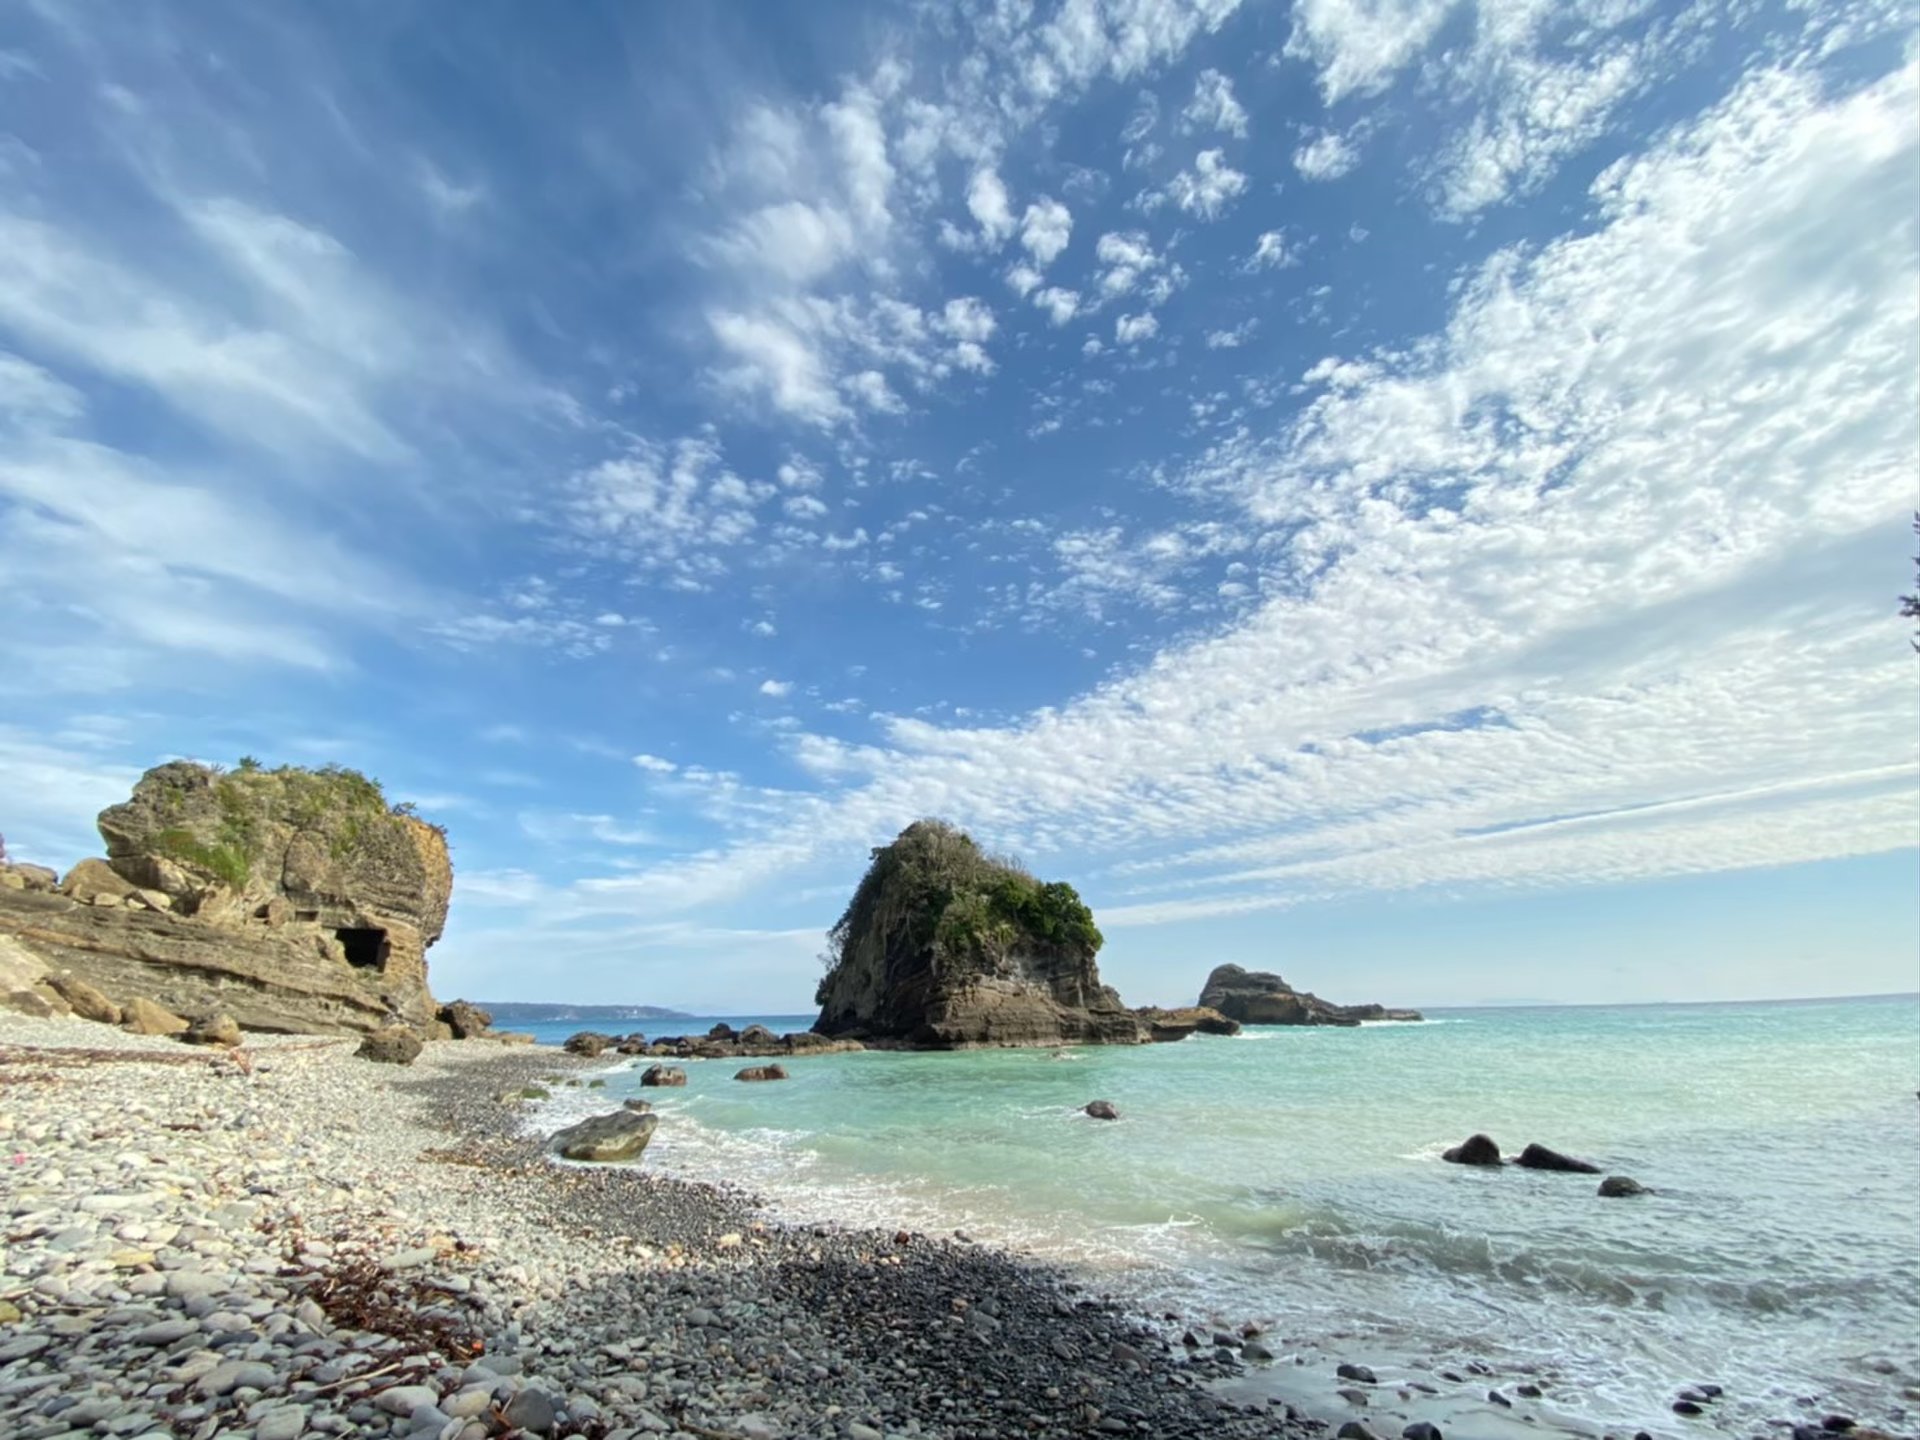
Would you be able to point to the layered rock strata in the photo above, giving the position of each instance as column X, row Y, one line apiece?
column 291, row 900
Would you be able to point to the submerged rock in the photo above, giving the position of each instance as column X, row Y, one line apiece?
column 1102, row 1110
column 762, row 1072
column 1619, row 1187
column 1539, row 1157
column 1260, row 997
column 1474, row 1150
column 946, row 947
column 618, row 1135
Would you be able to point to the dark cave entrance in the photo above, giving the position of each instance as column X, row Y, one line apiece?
column 366, row 949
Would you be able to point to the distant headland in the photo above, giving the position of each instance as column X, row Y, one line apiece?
column 532, row 1012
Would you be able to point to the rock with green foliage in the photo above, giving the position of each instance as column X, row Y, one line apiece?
column 293, row 899
column 947, row 947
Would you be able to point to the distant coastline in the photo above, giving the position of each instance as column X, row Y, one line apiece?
column 532, row 1012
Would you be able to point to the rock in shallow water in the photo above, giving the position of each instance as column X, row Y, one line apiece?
column 1539, row 1157
column 618, row 1135
column 1102, row 1110
column 762, row 1072
column 1617, row 1187
column 664, row 1075
column 1474, row 1150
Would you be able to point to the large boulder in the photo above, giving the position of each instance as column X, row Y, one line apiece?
column 587, row 1042
column 1539, row 1157
column 663, row 1075
column 762, row 1072
column 140, row 1016
column 214, row 1029
column 85, row 1001
column 465, row 1021
column 1474, row 1150
column 394, row 1045
column 945, row 947
column 18, row 875
column 295, row 900
column 619, row 1135
column 1621, row 1187
column 1260, row 997
column 1102, row 1110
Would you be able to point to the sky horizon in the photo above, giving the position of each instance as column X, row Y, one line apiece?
column 1411, row 494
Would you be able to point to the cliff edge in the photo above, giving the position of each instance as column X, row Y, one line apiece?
column 946, row 947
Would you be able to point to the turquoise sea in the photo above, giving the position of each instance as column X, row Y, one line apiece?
column 1292, row 1177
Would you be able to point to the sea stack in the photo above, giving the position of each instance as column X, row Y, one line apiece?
column 293, row 900
column 1260, row 997
column 945, row 947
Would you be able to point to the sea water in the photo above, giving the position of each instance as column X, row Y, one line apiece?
column 1293, row 1177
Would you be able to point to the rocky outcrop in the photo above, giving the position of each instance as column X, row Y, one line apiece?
column 756, row 1041
column 1260, row 997
column 292, row 900
column 464, row 1020
column 944, row 947
column 1164, row 1026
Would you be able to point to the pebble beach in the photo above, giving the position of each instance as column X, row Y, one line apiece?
column 285, row 1240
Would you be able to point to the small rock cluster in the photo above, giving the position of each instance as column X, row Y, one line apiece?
column 1481, row 1150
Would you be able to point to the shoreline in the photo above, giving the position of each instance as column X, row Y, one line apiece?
column 286, row 1240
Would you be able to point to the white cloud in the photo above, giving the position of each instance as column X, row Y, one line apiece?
column 1047, row 228
column 1570, row 591
column 1131, row 329
column 1234, row 338
column 988, row 203
column 1214, row 107
column 777, row 362
column 1358, row 45
column 1208, row 188
column 1271, row 252
column 777, row 689
column 1127, row 257
column 1023, row 279
column 663, row 506
column 1327, row 156
column 1060, row 305
column 655, row 764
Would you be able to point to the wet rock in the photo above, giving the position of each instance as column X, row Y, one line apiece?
column 587, row 1042
column 1527, row 1392
column 639, row 1107
column 1539, row 1157
column 1102, row 1110
column 1357, row 1372
column 761, row 1072
column 1353, row 1396
column 1688, row 1407
column 530, row 1410
column 658, row 1075
column 1354, row 1430
column 395, row 1045
column 1421, row 1430
column 1618, row 1187
column 1474, row 1150
column 1498, row 1399
column 758, row 1035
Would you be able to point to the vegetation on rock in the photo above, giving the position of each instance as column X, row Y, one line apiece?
column 935, row 889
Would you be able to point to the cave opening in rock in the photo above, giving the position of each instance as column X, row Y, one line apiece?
column 366, row 949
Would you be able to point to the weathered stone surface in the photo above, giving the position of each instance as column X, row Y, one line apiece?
column 142, row 1017
column 619, row 1135
column 85, row 1001
column 1539, row 1157
column 292, row 900
column 1260, row 997
column 395, row 1045
column 944, row 947
column 1170, row 1025
column 465, row 1020
column 212, row 1030
column 1474, row 1150
column 31, row 1002
column 587, row 1042
column 762, row 1072
column 18, row 875
column 663, row 1075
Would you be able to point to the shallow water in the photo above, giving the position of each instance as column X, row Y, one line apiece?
column 1293, row 1177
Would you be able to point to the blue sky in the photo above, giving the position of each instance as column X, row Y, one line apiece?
column 1407, row 492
